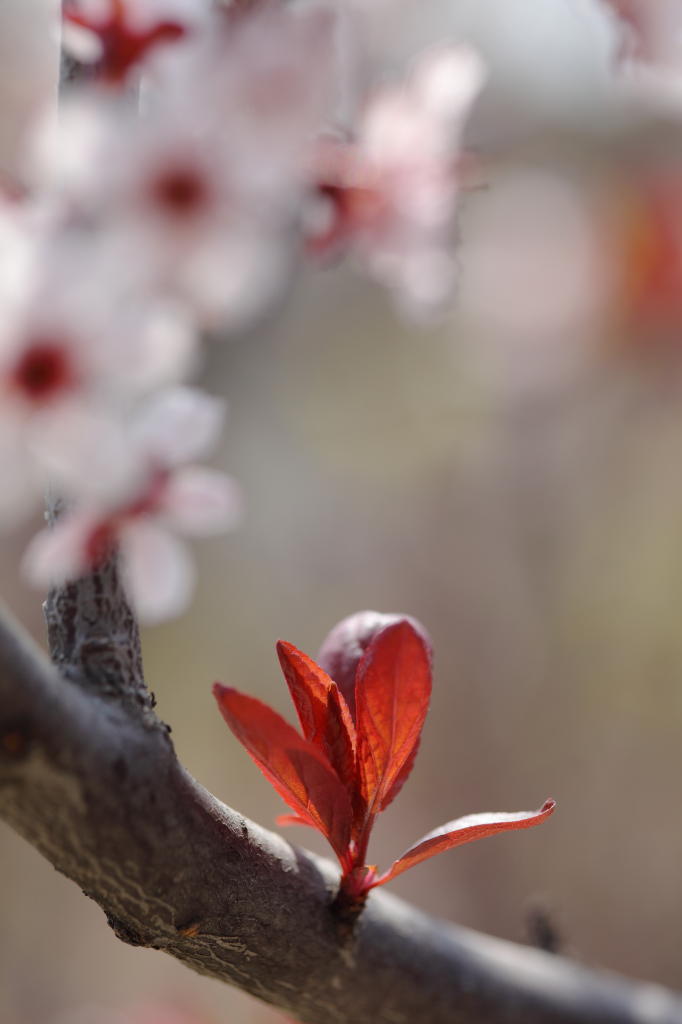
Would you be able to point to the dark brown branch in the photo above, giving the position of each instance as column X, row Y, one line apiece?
column 95, row 641
column 93, row 635
column 102, row 796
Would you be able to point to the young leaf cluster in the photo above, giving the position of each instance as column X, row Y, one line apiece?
column 359, row 738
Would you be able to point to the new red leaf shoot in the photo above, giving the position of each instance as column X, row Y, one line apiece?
column 360, row 738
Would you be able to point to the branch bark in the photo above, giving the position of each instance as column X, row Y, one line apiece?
column 88, row 775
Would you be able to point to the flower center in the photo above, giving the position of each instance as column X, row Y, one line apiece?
column 43, row 371
column 180, row 192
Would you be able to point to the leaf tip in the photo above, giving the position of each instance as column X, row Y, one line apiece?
column 222, row 692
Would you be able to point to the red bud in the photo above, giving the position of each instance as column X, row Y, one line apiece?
column 346, row 643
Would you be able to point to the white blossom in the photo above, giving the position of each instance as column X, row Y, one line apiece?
column 75, row 357
column 170, row 497
column 391, row 193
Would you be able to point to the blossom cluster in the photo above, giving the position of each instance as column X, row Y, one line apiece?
column 197, row 158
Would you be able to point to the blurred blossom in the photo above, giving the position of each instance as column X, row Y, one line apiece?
column 169, row 496
column 271, row 76
column 20, row 237
column 535, row 279
column 149, row 223
column 390, row 194
column 116, row 35
column 176, row 207
column 650, row 49
column 200, row 193
column 73, row 357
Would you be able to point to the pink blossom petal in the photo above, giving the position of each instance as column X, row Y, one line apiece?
column 179, row 424
column 20, row 240
column 59, row 553
column 447, row 80
column 75, row 443
column 231, row 278
column 162, row 350
column 200, row 502
column 159, row 571
column 80, row 43
column 396, row 187
column 63, row 150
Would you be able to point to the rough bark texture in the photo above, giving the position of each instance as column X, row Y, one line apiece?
column 94, row 641
column 88, row 775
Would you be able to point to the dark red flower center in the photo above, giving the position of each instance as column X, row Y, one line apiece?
column 43, row 371
column 180, row 191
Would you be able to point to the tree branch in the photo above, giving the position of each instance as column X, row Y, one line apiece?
column 94, row 640
column 94, row 784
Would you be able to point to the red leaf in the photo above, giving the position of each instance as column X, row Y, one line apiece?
column 402, row 777
column 308, row 685
column 294, row 766
column 465, row 830
column 285, row 820
column 392, row 697
column 322, row 711
column 339, row 739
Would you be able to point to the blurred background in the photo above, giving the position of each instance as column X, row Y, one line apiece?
column 513, row 478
